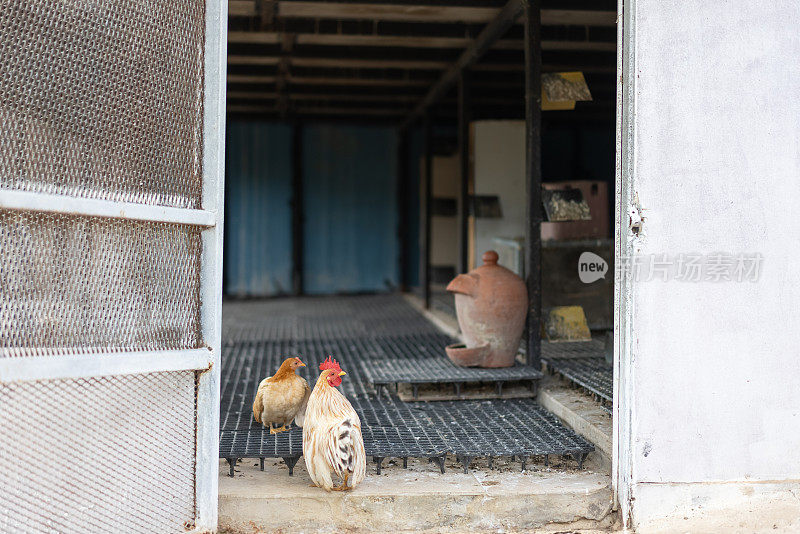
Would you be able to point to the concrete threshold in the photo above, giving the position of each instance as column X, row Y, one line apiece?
column 419, row 499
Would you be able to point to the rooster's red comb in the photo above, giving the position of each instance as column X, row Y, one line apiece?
column 330, row 363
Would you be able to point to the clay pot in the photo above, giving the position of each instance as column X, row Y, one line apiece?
column 491, row 305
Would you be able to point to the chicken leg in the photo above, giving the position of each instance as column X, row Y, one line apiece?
column 278, row 430
column 343, row 487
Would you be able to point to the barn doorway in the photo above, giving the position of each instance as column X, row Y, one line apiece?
column 374, row 152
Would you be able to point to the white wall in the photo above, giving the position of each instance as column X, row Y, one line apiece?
column 444, row 230
column 716, row 168
column 499, row 169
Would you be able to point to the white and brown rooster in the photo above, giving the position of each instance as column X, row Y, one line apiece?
column 332, row 441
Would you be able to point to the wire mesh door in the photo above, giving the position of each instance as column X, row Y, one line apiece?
column 111, row 169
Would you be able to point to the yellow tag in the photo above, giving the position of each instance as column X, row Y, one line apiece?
column 555, row 83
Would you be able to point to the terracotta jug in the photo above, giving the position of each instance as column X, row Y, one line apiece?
column 491, row 305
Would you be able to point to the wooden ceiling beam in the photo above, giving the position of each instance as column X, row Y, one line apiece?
column 384, row 41
column 241, row 8
column 338, row 63
column 399, row 41
column 490, row 34
column 418, row 13
column 347, row 97
column 246, row 78
column 318, row 110
column 431, row 13
column 396, row 12
column 326, row 80
column 255, row 37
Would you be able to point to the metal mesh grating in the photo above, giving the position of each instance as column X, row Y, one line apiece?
column 503, row 427
column 107, row 454
column 246, row 364
column 391, row 427
column 583, row 364
column 255, row 443
column 443, row 301
column 397, row 429
column 573, row 349
column 592, row 374
column 103, row 99
column 419, row 359
column 80, row 284
column 386, row 339
column 322, row 318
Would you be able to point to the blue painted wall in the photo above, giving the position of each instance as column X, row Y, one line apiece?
column 350, row 192
column 416, row 150
column 258, row 189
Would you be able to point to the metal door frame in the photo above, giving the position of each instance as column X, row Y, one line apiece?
column 204, row 360
column 624, row 243
column 208, row 386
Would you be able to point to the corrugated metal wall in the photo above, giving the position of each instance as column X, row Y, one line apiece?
column 416, row 150
column 350, row 204
column 349, row 180
column 258, row 216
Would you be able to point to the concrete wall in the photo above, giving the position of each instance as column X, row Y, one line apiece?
column 715, row 165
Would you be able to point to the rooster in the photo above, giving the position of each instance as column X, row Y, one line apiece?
column 282, row 397
column 332, row 441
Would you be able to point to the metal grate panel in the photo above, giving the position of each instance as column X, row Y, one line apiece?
column 253, row 442
column 103, row 99
column 321, row 318
column 582, row 363
column 573, row 349
column 594, row 375
column 390, row 429
column 73, row 284
column 246, row 364
column 386, row 339
column 398, row 340
column 444, row 301
column 107, row 454
column 502, row 428
column 420, row 359
column 396, row 429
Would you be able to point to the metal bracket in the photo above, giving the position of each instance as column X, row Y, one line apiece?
column 231, row 465
column 465, row 461
column 290, row 462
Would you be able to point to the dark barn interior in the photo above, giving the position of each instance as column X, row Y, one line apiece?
column 327, row 107
column 380, row 147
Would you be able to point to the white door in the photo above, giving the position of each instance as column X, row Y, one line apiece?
column 111, row 180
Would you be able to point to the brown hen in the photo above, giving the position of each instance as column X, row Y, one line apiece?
column 282, row 397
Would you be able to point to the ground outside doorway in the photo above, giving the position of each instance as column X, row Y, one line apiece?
column 448, row 448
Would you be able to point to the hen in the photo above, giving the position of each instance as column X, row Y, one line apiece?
column 332, row 441
column 282, row 397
